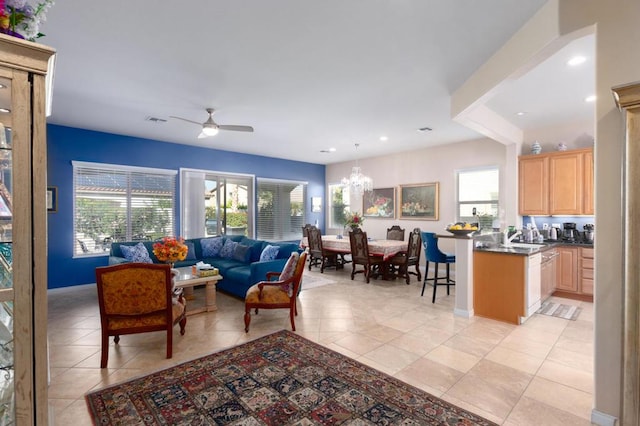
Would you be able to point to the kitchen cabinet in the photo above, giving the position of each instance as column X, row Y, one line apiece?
column 567, row 272
column 506, row 287
column 585, row 268
column 557, row 183
column 23, row 232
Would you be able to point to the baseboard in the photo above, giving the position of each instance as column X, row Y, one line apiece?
column 603, row 419
column 574, row 296
column 463, row 313
column 72, row 288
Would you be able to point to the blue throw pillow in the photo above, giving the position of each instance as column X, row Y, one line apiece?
column 211, row 246
column 191, row 251
column 227, row 250
column 137, row 253
column 269, row 253
column 242, row 253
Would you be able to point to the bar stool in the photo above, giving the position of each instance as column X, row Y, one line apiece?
column 433, row 254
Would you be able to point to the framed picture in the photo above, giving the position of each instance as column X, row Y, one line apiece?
column 316, row 204
column 52, row 199
column 379, row 203
column 419, row 201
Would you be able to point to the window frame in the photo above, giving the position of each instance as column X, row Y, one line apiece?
column 295, row 231
column 346, row 199
column 129, row 171
column 480, row 201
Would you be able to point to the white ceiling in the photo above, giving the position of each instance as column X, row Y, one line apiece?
column 307, row 75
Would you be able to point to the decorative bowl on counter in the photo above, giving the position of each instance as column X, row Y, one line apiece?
column 462, row 231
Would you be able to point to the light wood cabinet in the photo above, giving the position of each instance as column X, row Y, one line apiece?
column 585, row 270
column 548, row 273
column 23, row 236
column 557, row 183
column 567, row 272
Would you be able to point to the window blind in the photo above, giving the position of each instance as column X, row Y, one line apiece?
column 281, row 209
column 120, row 203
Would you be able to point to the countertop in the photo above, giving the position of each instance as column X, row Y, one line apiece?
column 496, row 248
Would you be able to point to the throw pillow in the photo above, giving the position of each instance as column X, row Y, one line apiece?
column 137, row 253
column 269, row 253
column 211, row 246
column 191, row 251
column 288, row 271
column 227, row 250
column 242, row 253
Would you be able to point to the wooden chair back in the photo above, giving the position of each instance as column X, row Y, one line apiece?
column 395, row 233
column 359, row 246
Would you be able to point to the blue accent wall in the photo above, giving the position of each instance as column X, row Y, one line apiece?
column 67, row 144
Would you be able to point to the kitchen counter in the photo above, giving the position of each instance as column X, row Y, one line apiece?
column 497, row 248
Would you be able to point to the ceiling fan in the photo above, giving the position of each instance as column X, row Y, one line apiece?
column 211, row 128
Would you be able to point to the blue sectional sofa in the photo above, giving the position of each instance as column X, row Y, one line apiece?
column 239, row 272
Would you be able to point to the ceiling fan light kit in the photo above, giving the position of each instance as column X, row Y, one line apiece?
column 211, row 128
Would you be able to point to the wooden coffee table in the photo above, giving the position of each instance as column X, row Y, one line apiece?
column 187, row 281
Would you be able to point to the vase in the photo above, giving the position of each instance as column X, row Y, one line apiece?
column 536, row 148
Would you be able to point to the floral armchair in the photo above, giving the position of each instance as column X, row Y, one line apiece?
column 138, row 298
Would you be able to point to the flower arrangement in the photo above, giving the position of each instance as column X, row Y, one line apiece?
column 20, row 19
column 170, row 249
column 354, row 220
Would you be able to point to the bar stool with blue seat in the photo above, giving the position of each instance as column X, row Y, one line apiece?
column 433, row 254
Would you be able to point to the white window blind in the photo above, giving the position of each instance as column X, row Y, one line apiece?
column 120, row 203
column 281, row 209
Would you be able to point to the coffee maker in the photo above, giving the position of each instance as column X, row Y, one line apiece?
column 569, row 232
column 589, row 233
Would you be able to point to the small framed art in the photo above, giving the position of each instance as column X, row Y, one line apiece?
column 316, row 204
column 52, row 199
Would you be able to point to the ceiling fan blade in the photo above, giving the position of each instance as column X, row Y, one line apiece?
column 184, row 119
column 235, row 128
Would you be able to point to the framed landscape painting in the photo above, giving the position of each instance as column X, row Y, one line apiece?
column 419, row 201
column 379, row 203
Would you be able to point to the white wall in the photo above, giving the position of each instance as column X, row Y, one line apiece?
column 437, row 164
column 574, row 135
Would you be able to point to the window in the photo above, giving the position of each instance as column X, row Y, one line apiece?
column 478, row 189
column 216, row 203
column 281, row 209
column 339, row 196
column 120, row 203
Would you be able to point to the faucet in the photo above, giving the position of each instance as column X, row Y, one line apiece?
column 506, row 240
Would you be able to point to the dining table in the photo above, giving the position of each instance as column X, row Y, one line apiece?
column 384, row 248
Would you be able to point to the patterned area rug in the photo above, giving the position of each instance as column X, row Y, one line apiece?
column 559, row 310
column 279, row 379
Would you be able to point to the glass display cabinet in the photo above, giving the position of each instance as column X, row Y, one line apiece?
column 23, row 231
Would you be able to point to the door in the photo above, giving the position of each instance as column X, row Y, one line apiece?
column 227, row 202
column 567, row 273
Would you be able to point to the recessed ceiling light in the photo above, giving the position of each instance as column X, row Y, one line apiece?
column 328, row 150
column 384, row 138
column 576, row 60
column 2, row 86
column 590, row 98
column 520, row 113
column 332, row 150
column 5, row 110
column 425, row 129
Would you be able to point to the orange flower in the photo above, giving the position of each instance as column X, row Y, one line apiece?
column 170, row 249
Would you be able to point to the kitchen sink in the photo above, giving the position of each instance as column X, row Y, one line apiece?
column 523, row 245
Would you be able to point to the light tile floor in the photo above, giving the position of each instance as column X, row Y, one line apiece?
column 539, row 373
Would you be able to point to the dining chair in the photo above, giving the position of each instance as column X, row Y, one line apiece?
column 279, row 294
column 138, row 298
column 395, row 233
column 360, row 254
column 434, row 254
column 318, row 255
column 402, row 261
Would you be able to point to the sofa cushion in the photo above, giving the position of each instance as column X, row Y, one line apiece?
column 269, row 253
column 242, row 253
column 137, row 253
column 191, row 251
column 227, row 250
column 238, row 275
column 285, row 249
column 224, row 265
column 256, row 248
column 211, row 246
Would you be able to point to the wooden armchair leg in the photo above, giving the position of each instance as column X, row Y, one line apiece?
column 170, row 342
column 293, row 323
column 105, row 351
column 247, row 319
column 183, row 323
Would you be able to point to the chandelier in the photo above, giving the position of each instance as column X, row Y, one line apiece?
column 357, row 182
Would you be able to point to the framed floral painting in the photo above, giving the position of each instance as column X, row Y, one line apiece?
column 419, row 201
column 379, row 203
